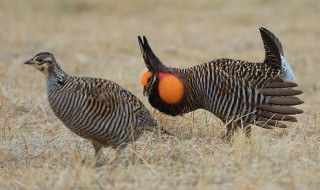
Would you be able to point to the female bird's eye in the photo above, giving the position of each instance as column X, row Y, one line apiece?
column 41, row 61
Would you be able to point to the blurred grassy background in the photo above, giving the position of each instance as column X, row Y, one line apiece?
column 99, row 38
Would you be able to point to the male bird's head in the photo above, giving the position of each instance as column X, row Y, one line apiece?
column 168, row 84
column 42, row 61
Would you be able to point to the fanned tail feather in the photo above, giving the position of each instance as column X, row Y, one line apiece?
column 279, row 83
column 278, row 107
column 279, row 92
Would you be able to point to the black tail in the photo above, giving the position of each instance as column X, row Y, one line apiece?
column 152, row 62
column 272, row 46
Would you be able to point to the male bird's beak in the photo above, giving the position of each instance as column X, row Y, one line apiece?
column 145, row 93
column 147, row 89
column 28, row 62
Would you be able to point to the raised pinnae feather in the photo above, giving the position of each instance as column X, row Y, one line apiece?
column 151, row 60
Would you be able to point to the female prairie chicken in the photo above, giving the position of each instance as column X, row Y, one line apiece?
column 238, row 92
column 93, row 108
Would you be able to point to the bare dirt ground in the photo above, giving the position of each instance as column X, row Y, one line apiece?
column 99, row 38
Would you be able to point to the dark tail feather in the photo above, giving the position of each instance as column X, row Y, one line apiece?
column 272, row 46
column 151, row 60
column 274, row 38
column 290, row 101
column 264, row 125
column 280, row 109
column 279, row 92
column 280, row 97
column 275, row 116
column 271, row 122
column 278, row 83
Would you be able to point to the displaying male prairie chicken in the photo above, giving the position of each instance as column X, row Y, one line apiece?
column 93, row 108
column 238, row 92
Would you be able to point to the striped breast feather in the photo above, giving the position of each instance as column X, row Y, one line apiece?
column 95, row 87
column 141, row 114
column 137, row 117
column 234, row 97
column 109, row 94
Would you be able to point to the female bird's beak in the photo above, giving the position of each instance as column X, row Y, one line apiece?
column 28, row 62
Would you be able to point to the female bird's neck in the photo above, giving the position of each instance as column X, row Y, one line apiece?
column 56, row 74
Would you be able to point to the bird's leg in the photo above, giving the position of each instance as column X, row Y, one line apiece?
column 98, row 152
column 229, row 131
column 247, row 131
column 116, row 155
column 118, row 152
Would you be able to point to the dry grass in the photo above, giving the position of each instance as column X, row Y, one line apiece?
column 99, row 38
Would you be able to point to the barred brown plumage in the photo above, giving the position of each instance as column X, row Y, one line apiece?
column 238, row 92
column 93, row 108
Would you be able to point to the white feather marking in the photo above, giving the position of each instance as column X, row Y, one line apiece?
column 287, row 72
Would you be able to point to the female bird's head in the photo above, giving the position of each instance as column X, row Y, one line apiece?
column 168, row 84
column 42, row 61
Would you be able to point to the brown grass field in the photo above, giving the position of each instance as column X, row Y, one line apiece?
column 99, row 38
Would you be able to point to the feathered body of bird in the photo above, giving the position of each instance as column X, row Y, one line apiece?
column 238, row 92
column 93, row 108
